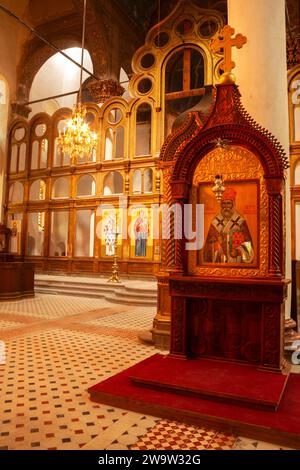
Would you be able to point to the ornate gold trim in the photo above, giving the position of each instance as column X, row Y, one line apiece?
column 234, row 163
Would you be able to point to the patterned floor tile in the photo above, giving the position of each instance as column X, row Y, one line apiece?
column 222, row 441
column 243, row 443
column 167, row 435
column 137, row 318
column 45, row 382
column 6, row 324
column 52, row 306
column 57, row 347
column 131, row 335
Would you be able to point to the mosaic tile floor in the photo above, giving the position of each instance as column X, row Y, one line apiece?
column 58, row 346
column 5, row 324
column 135, row 319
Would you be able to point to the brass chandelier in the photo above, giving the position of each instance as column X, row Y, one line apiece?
column 77, row 139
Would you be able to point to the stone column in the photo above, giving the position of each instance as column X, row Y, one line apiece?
column 261, row 72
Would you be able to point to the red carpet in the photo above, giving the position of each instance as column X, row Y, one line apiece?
column 282, row 426
column 205, row 378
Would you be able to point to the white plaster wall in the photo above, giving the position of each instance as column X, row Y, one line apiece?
column 261, row 72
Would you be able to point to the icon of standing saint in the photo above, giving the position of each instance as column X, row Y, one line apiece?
column 110, row 235
column 141, row 231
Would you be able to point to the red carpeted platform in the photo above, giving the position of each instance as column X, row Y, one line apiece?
column 281, row 426
column 219, row 380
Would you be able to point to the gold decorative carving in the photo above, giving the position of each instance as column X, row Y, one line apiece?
column 103, row 90
column 235, row 164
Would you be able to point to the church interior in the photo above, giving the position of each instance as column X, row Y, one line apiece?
column 149, row 225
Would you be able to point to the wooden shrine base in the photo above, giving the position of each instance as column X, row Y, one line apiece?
column 281, row 426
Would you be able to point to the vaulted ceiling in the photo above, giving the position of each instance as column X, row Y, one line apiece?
column 108, row 23
column 147, row 13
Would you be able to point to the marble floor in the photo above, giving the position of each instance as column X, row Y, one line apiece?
column 58, row 346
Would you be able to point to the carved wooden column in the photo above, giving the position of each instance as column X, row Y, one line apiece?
column 178, row 337
column 273, row 328
column 173, row 257
column 179, row 241
column 180, row 191
column 162, row 320
column 178, row 304
column 274, row 187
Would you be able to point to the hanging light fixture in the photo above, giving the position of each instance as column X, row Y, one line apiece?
column 78, row 140
column 218, row 188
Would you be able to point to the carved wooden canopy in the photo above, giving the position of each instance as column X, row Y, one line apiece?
column 197, row 137
column 228, row 120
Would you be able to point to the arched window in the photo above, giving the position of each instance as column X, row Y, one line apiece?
column 35, row 155
column 114, row 143
column 39, row 150
column 50, row 81
column 14, row 159
column 84, row 240
column 86, row 186
column 60, row 158
column 148, row 180
column 297, row 174
column 22, row 157
column 109, row 138
column 37, row 191
column 16, row 193
column 120, row 142
column 35, row 235
column 59, row 233
column 184, row 82
column 113, row 183
column 137, row 181
column 18, row 150
column 143, row 130
column 61, row 188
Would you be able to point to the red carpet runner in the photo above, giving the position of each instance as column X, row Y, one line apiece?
column 229, row 382
column 281, row 426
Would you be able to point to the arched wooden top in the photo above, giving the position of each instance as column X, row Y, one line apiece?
column 237, row 134
column 228, row 121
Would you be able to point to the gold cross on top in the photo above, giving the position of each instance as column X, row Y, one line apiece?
column 225, row 41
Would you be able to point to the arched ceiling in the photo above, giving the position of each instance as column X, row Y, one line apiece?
column 108, row 22
column 147, row 13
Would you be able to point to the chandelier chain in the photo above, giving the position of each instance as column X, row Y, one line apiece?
column 78, row 140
